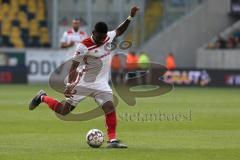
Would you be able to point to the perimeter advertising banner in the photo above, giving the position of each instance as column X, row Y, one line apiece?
column 202, row 77
column 12, row 67
column 41, row 63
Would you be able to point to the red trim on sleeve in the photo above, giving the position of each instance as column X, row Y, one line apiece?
column 69, row 31
column 88, row 42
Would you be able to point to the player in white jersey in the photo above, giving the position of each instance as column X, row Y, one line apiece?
column 92, row 80
column 97, row 61
column 72, row 37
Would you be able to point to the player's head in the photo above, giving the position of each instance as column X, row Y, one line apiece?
column 76, row 24
column 100, row 32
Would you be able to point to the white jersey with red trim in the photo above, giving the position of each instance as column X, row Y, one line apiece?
column 97, row 63
column 72, row 36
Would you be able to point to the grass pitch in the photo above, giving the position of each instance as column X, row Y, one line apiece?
column 207, row 128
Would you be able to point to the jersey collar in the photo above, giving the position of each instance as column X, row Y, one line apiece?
column 75, row 32
column 91, row 37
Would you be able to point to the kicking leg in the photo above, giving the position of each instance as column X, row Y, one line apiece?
column 58, row 107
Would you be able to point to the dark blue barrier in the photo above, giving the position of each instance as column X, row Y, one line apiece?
column 15, row 74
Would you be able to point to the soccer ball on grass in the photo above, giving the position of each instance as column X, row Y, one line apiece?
column 95, row 138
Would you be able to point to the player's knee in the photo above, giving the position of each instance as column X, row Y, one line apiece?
column 65, row 112
column 108, row 107
column 66, row 109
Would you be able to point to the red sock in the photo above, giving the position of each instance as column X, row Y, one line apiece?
column 111, row 123
column 52, row 103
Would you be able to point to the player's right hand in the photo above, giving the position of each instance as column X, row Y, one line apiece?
column 71, row 44
column 69, row 91
column 133, row 11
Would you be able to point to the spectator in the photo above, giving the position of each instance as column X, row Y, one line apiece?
column 143, row 64
column 236, row 33
column 221, row 43
column 72, row 36
column 131, row 65
column 117, row 75
column 170, row 61
column 143, row 60
column 211, row 46
column 237, row 39
column 132, row 61
column 231, row 43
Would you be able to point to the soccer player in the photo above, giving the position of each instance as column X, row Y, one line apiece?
column 72, row 37
column 93, row 79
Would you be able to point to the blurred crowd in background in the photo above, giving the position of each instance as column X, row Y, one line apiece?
column 232, row 41
column 135, row 62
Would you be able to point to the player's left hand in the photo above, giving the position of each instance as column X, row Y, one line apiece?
column 134, row 10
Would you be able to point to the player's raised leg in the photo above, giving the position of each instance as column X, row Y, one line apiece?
column 36, row 100
column 52, row 103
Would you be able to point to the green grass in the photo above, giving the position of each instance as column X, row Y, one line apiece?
column 213, row 133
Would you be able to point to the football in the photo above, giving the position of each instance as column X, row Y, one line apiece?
column 95, row 138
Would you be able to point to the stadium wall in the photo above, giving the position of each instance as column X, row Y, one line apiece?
column 184, row 37
column 218, row 59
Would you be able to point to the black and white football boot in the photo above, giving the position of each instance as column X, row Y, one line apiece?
column 37, row 100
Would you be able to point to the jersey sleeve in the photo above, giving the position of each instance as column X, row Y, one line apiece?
column 81, row 50
column 112, row 35
column 64, row 38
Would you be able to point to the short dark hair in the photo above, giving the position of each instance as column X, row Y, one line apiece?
column 101, row 27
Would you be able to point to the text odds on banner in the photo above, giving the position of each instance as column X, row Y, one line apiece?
column 12, row 67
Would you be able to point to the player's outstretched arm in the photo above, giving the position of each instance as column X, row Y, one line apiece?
column 72, row 76
column 73, row 72
column 123, row 27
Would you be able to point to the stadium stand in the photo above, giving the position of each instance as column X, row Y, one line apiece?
column 231, row 41
column 23, row 23
column 227, row 39
column 152, row 19
column 187, row 34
